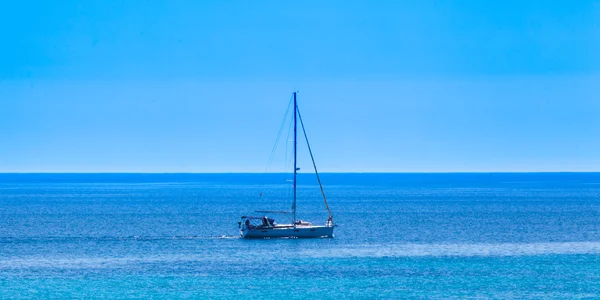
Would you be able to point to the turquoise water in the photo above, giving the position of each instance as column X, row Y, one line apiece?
column 399, row 236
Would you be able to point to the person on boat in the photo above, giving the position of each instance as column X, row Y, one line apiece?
column 248, row 224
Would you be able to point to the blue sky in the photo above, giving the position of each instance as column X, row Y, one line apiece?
column 392, row 86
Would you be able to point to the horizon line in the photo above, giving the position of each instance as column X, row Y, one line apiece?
column 351, row 172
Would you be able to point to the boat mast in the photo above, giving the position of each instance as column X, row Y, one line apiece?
column 295, row 156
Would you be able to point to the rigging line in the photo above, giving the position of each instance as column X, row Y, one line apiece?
column 288, row 159
column 274, row 149
column 313, row 162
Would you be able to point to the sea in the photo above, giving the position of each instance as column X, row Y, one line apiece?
column 398, row 236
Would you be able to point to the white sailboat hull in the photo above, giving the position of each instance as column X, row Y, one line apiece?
column 298, row 232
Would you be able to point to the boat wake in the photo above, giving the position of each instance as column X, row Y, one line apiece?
column 8, row 240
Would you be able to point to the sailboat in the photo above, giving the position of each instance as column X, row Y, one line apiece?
column 262, row 226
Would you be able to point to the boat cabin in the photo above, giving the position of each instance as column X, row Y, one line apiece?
column 258, row 222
